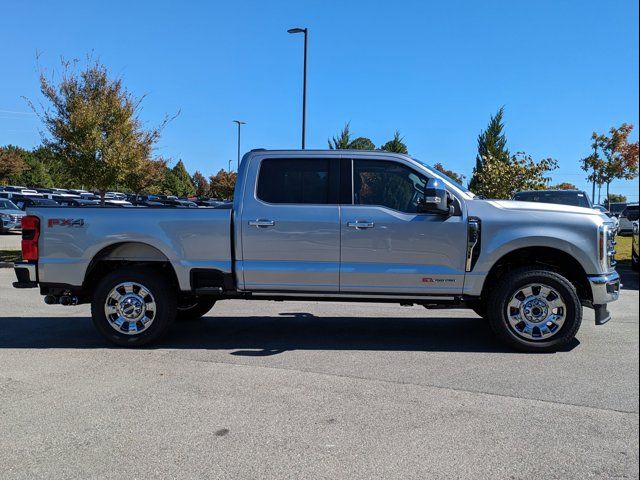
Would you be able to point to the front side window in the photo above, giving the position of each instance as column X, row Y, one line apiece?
column 387, row 184
column 303, row 181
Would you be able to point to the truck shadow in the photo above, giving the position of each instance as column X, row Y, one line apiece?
column 266, row 336
column 630, row 279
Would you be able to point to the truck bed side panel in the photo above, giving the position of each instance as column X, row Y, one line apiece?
column 188, row 238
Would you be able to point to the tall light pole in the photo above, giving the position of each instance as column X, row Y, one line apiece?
column 304, row 80
column 229, row 169
column 239, row 122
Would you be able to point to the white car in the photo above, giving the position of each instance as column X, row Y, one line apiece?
column 10, row 216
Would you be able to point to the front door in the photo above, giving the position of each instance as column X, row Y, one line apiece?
column 386, row 246
column 291, row 226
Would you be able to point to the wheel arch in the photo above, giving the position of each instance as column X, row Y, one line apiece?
column 550, row 258
column 128, row 253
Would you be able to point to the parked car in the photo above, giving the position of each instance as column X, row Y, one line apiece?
column 10, row 216
column 325, row 225
column 626, row 225
column 78, row 202
column 614, row 219
column 576, row 198
column 635, row 253
column 29, row 202
column 616, row 208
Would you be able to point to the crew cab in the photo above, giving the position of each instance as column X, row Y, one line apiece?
column 334, row 225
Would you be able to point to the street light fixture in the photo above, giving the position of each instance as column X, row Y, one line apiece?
column 304, row 79
column 239, row 122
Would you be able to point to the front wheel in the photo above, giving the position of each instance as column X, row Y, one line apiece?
column 133, row 307
column 534, row 310
column 634, row 261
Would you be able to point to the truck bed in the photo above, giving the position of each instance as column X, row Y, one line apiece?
column 71, row 237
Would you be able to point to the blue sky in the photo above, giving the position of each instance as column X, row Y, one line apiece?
column 434, row 70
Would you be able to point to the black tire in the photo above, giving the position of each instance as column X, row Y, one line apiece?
column 194, row 309
column 634, row 262
column 160, row 288
column 508, row 286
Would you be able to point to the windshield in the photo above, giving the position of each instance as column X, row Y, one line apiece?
column 575, row 199
column 7, row 205
column 446, row 177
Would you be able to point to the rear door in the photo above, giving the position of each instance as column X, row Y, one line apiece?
column 387, row 247
column 291, row 225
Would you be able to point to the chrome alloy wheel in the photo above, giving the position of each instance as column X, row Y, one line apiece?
column 536, row 312
column 130, row 308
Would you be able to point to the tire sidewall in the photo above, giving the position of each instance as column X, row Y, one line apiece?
column 164, row 297
column 518, row 279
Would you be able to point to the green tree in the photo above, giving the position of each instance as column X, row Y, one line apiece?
column 492, row 144
column 396, row 144
column 500, row 180
column 361, row 143
column 200, row 183
column 449, row 173
column 11, row 163
column 186, row 188
column 342, row 141
column 170, row 184
column 563, row 186
column 616, row 198
column 93, row 126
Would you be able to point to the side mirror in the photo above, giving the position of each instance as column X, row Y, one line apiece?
column 436, row 199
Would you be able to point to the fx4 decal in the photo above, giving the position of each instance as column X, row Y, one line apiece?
column 66, row 222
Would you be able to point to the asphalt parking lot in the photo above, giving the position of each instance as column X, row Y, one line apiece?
column 10, row 241
column 314, row 390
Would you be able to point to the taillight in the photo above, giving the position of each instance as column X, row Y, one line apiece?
column 30, row 236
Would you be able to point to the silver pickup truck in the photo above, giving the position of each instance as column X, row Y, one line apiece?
column 329, row 225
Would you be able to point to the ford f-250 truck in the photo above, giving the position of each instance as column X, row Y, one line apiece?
column 329, row 225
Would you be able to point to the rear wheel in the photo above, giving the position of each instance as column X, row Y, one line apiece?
column 634, row 261
column 534, row 310
column 133, row 307
column 194, row 309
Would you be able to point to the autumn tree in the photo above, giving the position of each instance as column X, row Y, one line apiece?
column 500, row 179
column 11, row 163
column 621, row 157
column 201, row 184
column 396, row 144
column 492, row 144
column 449, row 173
column 223, row 184
column 93, row 126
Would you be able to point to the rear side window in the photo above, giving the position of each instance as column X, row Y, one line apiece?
column 294, row 181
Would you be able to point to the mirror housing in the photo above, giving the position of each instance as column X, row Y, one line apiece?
column 436, row 199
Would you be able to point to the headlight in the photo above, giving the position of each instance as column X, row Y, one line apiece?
column 5, row 217
column 606, row 246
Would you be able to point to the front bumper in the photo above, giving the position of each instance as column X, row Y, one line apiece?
column 604, row 289
column 26, row 275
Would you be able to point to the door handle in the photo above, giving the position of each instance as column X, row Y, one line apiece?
column 360, row 224
column 261, row 223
